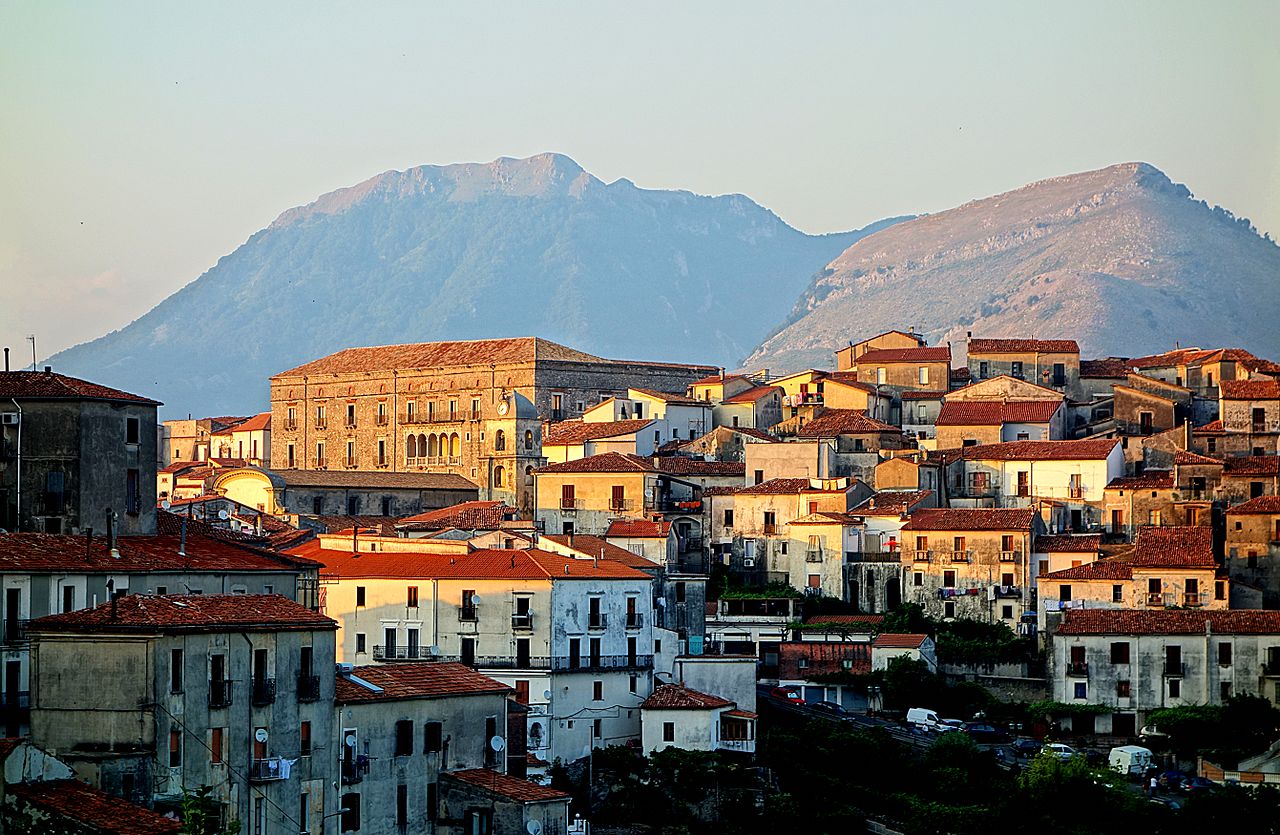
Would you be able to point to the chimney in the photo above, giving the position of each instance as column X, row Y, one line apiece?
column 182, row 541
column 968, row 335
column 570, row 539
column 6, row 358
column 88, row 537
column 48, row 369
column 111, row 534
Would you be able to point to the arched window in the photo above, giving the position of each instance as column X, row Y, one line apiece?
column 528, row 439
column 433, row 446
column 528, row 474
column 499, row 440
column 455, row 445
column 411, row 447
column 499, row 473
column 422, row 445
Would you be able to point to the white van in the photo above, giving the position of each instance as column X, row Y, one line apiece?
column 923, row 718
column 1130, row 759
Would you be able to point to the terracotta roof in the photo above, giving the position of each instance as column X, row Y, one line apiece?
column 1262, row 504
column 923, row 395
column 1023, row 346
column 1190, row 356
column 674, row 398
column 850, row 379
column 891, row 355
column 605, row 462
column 844, row 620
column 257, row 423
column 716, row 379
column 833, row 422
column 593, row 546
column 572, row 432
column 638, row 528
column 382, row 525
column 758, row 434
column 375, row 480
column 1184, row 457
column 489, row 563
column 719, row 491
column 1249, row 389
column 825, row 518
column 1041, row 450
column 1153, row 479
column 995, row 412
column 959, row 375
column 679, row 697
column 426, row 680
column 1170, row 622
column 504, row 785
column 1252, row 465
column 98, row 811
column 740, row 714
column 971, row 519
column 822, row 657
column 680, row 465
column 891, row 502
column 888, row 640
column 753, row 394
column 1110, row 367
column 42, row 385
column 1213, row 427
column 478, row 352
column 150, row 613
column 1104, row 569
column 776, row 486
column 488, row 516
column 1174, row 546
column 1088, row 543
column 181, row 466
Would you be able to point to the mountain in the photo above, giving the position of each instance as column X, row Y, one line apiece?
column 510, row 248
column 1120, row 259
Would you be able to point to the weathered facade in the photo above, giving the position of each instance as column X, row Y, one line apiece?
column 1054, row 363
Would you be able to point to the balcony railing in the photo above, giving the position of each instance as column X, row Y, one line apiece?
column 400, row 653
column 770, row 529
column 1192, row 598
column 1155, row 598
column 15, row 633
column 813, row 555
column 308, row 688
column 321, row 423
column 350, row 423
column 1175, row 668
column 522, row 620
column 266, row 770
column 1075, row 492
column 570, row 504
column 957, row 556
column 219, row 693
column 622, row 505
column 290, row 425
column 744, row 745
column 1010, row 556
column 1271, row 668
column 353, row 771
column 468, row 614
column 380, row 420
column 351, row 461
column 874, row 556
column 559, row 663
column 1077, row 668
column 635, row 620
column 264, row 691
column 473, row 414
column 320, row 463
column 600, row 620
column 920, row 556
column 1011, row 592
column 603, row 662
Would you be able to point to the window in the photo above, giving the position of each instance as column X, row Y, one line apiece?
column 949, row 609
column 634, row 683
column 1117, row 594
column 1006, row 612
column 1122, row 688
column 1224, row 654
column 382, row 453
column 304, row 739
column 1213, row 444
column 175, row 749
column 69, row 598
column 404, row 737
column 1120, row 652
column 132, row 430
column 468, row 612
column 597, row 729
column 351, row 414
column 432, row 737
column 924, row 375
column 386, row 506
column 949, row 579
column 983, row 370
column 1015, row 369
column 882, row 376
column 132, row 493
column 918, row 579
column 668, row 731
column 175, row 671
column 360, row 595
column 770, row 521
column 1220, row 588
column 759, row 476
column 728, row 518
column 1064, row 592
column 413, row 597
column 657, row 646
column 291, row 456
column 215, row 745
column 1175, row 688
column 360, row 642
column 320, row 462
column 350, row 807
column 402, row 806
column 1081, row 690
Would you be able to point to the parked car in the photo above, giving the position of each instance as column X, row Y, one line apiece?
column 924, row 718
column 951, row 724
column 1193, row 785
column 1171, row 780
column 1027, row 747
column 830, row 709
column 986, row 734
column 1062, row 752
column 1094, row 758
column 787, row 694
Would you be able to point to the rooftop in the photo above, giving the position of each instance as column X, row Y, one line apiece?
column 777, row 486
column 48, row 385
column 673, row 398
column 833, row 422
column 504, row 785
column 605, row 462
column 891, row 355
column 638, row 528
column 99, row 811
column 1152, row 479
column 1023, row 346
column 477, row 515
column 572, row 432
column 1170, row 622
column 149, row 613
column 1262, row 505
column 1088, row 543
column 891, row 502
column 1105, row 569
column 375, row 480
column 1110, row 368
column 1264, row 465
column 995, row 412
column 971, row 519
column 425, row 680
column 489, row 563
column 1174, row 546
column 751, row 395
column 1041, row 450
column 888, row 640
column 1185, row 457
column 679, row 697
column 593, row 546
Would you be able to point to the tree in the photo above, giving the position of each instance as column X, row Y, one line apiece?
column 201, row 815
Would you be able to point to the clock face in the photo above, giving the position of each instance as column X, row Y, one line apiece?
column 502, row 407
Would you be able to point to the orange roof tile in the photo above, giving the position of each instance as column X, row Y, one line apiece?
column 593, row 546
column 1264, row 465
column 1170, row 622
column 47, row 385
column 781, row 486
column 833, row 422
column 891, row 502
column 477, row 515
column 638, row 529
column 892, row 355
column 679, row 697
column 1088, row 543
column 1249, row 389
column 1186, row 457
column 150, row 613
column 889, row 640
column 495, row 563
column 426, row 680
column 1023, row 346
column 822, row 657
column 1262, row 504
column 1153, row 479
column 1041, row 450
column 1174, row 546
column 971, row 519
column 1110, row 367
column 1105, row 569
column 605, row 462
column 753, row 394
column 995, row 412
column 504, row 785
column 98, row 811
column 573, row 432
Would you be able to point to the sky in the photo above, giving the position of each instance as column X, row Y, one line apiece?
column 141, row 142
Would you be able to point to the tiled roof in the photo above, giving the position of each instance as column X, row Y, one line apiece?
column 1110, row 367
column 995, row 412
column 1213, row 427
column 571, row 432
column 426, row 680
column 1252, row 465
column 891, row 355
column 593, row 546
column 833, row 422
column 758, row 434
column 891, row 502
column 680, row 465
column 679, row 697
column 673, row 398
column 1106, row 569
column 1153, row 479
column 960, row 375
column 753, row 394
column 605, row 462
column 638, row 528
column 487, row 516
column 189, row 613
column 1186, row 457
column 776, row 486
column 1041, row 450
column 822, row 657
column 1190, row 356
column 888, row 640
column 1023, row 346
column 97, row 811
column 1087, row 543
column 971, row 519
column 1170, row 622
column 923, row 395
column 181, row 466
column 850, row 379
column 42, row 385
column 840, row 620
column 716, row 379
column 382, row 525
column 719, row 491
column 375, row 480
column 825, row 518
column 1249, row 389
column 478, row 352
column 1262, row 504
column 504, row 785
column 494, row 563
column 1174, row 546
column 257, row 423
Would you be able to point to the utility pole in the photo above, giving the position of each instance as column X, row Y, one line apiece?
column 31, row 337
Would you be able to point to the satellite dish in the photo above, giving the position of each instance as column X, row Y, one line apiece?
column 475, row 600
column 533, row 827
column 260, row 734
column 546, row 694
column 350, row 740
column 223, row 515
column 164, row 505
column 497, row 743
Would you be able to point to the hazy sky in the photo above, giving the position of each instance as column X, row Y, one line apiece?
column 140, row 142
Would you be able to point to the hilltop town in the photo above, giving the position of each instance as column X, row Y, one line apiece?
column 508, row 586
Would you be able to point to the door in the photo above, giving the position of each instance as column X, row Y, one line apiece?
column 892, row 594
column 1117, row 521
column 1024, row 483
column 468, row 656
column 522, row 655
column 12, row 696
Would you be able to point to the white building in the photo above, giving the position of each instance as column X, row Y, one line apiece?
column 678, row 717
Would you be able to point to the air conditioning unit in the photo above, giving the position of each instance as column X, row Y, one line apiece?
column 8, row 418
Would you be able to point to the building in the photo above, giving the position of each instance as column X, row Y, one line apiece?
column 228, row 691
column 904, row 369
column 190, row 439
column 359, row 493
column 968, row 423
column 1253, row 547
column 1251, row 409
column 1055, row 552
column 480, row 800
column 847, row 358
column 74, row 452
column 249, row 441
column 676, row 716
column 472, row 409
column 1249, row 477
column 1054, row 363
column 400, row 727
column 919, row 413
column 1133, row 662
column 888, row 646
column 1147, row 405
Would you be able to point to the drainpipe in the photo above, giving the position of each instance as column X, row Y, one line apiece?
column 17, row 521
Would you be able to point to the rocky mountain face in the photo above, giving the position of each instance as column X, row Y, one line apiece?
column 1120, row 259
column 535, row 246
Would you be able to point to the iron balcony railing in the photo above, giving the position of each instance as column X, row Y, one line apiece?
column 15, row 633
column 380, row 420
column 635, row 620
column 353, row 771
column 351, row 461
column 1271, row 668
column 622, row 505
column 290, row 425
column 874, row 556
column 266, row 770
column 558, row 663
column 522, row 620
column 570, row 504
column 957, row 556
column 264, row 691
column 1078, row 668
column 598, row 620
column 1008, row 592
column 308, row 688
column 813, row 555
column 1010, row 556
column 469, row 614
column 219, row 693
column 920, row 556
column 321, row 423
column 400, row 653
column 1175, row 668
column 320, row 463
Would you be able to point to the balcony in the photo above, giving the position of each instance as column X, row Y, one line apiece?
column 813, row 555
column 1078, row 668
column 957, row 556
column 1010, row 556
column 570, row 504
column 353, row 771
column 15, row 633
column 597, row 663
column 874, row 556
column 746, row 746
column 770, row 529
column 1271, row 668
column 522, row 621
column 266, row 770
column 1193, row 599
column 1008, row 592
column 635, row 620
column 622, row 505
column 468, row 614
column 919, row 556
column 1155, row 598
column 264, row 691
column 1075, row 492
column 351, row 462
column 290, row 425
column 308, row 688
column 473, row 414
column 350, row 423
column 320, row 463
column 399, row 653
column 598, row 620
column 380, row 420
column 321, row 423
column 1174, row 669
column 219, row 694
